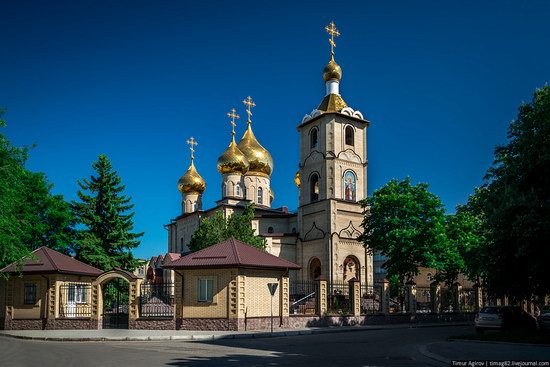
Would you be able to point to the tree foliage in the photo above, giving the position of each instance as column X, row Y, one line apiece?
column 219, row 228
column 514, row 206
column 105, row 238
column 30, row 215
column 406, row 223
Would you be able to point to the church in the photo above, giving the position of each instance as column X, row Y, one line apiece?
column 332, row 178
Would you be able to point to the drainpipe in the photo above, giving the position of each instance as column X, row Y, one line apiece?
column 47, row 298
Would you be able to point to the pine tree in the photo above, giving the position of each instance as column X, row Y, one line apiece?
column 106, row 239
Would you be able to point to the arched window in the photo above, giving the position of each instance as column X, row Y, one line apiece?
column 237, row 189
column 195, row 206
column 270, row 230
column 224, row 188
column 314, row 187
column 181, row 247
column 350, row 184
column 313, row 138
column 260, row 195
column 349, row 135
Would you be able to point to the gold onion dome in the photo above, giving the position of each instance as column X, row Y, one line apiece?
column 191, row 182
column 258, row 157
column 233, row 160
column 332, row 71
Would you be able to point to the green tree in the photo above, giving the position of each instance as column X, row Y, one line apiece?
column 407, row 224
column 218, row 229
column 30, row 216
column 515, row 205
column 105, row 239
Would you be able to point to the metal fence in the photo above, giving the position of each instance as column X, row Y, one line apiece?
column 303, row 297
column 467, row 299
column 371, row 299
column 424, row 300
column 74, row 300
column 157, row 300
column 338, row 300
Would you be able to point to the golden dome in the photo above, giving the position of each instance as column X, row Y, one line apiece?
column 258, row 157
column 332, row 71
column 232, row 160
column 297, row 179
column 191, row 182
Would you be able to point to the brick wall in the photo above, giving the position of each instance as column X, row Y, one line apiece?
column 206, row 324
column 152, row 324
column 71, row 324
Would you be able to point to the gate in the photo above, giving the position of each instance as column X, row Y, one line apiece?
column 115, row 304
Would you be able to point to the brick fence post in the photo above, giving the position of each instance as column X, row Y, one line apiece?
column 457, row 288
column 411, row 296
column 478, row 297
column 385, row 297
column 321, row 296
column 435, row 290
column 355, row 296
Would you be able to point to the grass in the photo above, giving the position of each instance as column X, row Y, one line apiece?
column 509, row 336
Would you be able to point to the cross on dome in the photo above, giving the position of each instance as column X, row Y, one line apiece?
column 249, row 103
column 192, row 143
column 233, row 116
column 331, row 29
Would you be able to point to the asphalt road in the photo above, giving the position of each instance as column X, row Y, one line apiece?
column 398, row 347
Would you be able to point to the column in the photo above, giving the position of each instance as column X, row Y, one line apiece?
column 385, row 297
column 411, row 296
column 355, row 296
column 321, row 296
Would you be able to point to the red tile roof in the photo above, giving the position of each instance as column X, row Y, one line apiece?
column 231, row 253
column 46, row 260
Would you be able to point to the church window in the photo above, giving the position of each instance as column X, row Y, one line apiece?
column 313, row 138
column 260, row 195
column 224, row 187
column 206, row 290
column 195, row 206
column 237, row 189
column 429, row 277
column 350, row 135
column 350, row 183
column 270, row 230
column 314, row 187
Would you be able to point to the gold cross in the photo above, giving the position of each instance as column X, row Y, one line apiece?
column 233, row 116
column 248, row 102
column 331, row 28
column 192, row 143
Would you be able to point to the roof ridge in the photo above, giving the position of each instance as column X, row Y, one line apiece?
column 50, row 258
column 237, row 255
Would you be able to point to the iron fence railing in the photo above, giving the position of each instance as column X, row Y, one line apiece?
column 338, row 300
column 303, row 297
column 371, row 299
column 157, row 300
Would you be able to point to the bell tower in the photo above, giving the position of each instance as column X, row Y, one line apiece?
column 332, row 179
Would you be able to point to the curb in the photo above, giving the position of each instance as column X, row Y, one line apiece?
column 237, row 335
column 497, row 342
column 436, row 357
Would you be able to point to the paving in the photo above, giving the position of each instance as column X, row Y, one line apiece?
column 194, row 335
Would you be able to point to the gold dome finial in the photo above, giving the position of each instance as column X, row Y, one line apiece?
column 258, row 157
column 331, row 29
column 191, row 182
column 332, row 70
column 249, row 104
column 233, row 160
column 233, row 116
column 192, row 143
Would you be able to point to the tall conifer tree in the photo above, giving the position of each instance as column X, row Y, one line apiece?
column 106, row 239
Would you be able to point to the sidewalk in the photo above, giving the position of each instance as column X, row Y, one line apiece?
column 194, row 335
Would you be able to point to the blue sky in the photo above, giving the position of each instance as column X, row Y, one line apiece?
column 439, row 80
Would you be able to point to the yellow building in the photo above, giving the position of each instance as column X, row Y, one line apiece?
column 48, row 291
column 227, row 287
